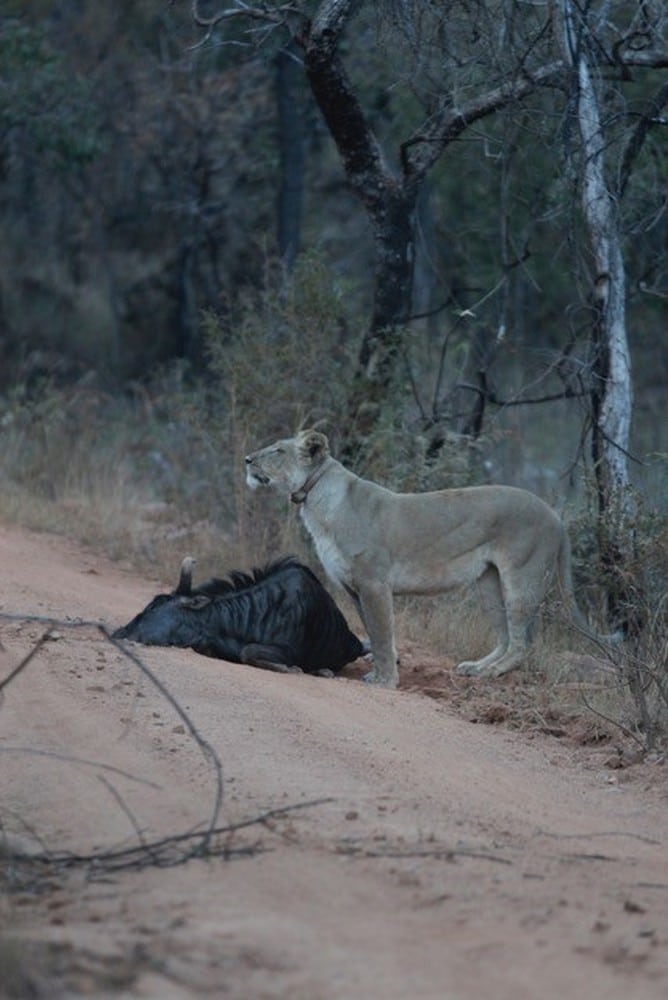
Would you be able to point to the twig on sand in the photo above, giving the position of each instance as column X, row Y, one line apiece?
column 13, row 674
column 203, row 841
column 72, row 759
column 207, row 750
column 161, row 853
column 444, row 853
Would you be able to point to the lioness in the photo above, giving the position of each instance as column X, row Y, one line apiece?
column 376, row 543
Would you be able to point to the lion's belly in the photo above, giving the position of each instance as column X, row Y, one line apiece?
column 435, row 564
column 432, row 572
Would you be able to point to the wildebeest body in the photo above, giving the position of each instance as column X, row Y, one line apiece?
column 279, row 617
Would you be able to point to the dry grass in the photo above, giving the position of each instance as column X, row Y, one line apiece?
column 621, row 690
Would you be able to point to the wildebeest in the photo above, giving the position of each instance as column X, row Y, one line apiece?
column 279, row 618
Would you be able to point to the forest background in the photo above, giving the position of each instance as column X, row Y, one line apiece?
column 223, row 223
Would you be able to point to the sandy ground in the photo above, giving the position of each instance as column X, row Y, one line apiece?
column 449, row 860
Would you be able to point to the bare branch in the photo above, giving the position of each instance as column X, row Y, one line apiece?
column 26, row 660
column 444, row 853
column 492, row 398
column 637, row 50
column 71, row 759
column 649, row 117
column 124, row 807
column 651, row 59
column 264, row 12
column 161, row 852
column 420, row 152
column 270, row 16
column 207, row 750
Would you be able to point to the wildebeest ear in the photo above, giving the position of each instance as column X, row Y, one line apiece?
column 196, row 602
column 313, row 445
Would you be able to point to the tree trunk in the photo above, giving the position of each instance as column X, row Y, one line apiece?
column 389, row 196
column 393, row 231
column 389, row 204
column 611, row 392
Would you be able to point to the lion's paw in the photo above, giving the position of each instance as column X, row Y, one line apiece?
column 374, row 677
column 469, row 668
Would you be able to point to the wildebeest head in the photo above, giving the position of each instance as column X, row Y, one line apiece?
column 167, row 620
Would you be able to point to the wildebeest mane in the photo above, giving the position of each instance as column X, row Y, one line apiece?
column 237, row 581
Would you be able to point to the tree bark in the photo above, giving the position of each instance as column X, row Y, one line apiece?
column 611, row 391
column 389, row 197
column 388, row 202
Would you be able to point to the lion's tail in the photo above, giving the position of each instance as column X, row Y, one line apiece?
column 567, row 591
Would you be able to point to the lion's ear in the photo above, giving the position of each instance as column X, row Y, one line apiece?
column 313, row 445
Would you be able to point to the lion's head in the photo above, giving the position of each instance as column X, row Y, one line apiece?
column 287, row 465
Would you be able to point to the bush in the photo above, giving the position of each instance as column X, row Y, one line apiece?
column 639, row 587
column 135, row 475
column 161, row 465
column 282, row 356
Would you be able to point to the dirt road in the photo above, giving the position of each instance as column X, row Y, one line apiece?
column 449, row 860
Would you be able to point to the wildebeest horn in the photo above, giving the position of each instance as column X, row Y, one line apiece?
column 184, row 588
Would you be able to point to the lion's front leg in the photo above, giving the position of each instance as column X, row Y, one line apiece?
column 377, row 613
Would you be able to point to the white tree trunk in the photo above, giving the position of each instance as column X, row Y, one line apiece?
column 612, row 395
column 611, row 391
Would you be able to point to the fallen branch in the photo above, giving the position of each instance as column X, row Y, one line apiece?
column 207, row 750
column 160, row 852
column 599, row 833
column 163, row 852
column 72, row 759
column 25, row 661
column 444, row 853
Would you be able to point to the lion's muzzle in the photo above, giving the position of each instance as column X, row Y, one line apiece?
column 254, row 477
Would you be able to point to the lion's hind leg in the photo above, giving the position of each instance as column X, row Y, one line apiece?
column 522, row 606
column 492, row 607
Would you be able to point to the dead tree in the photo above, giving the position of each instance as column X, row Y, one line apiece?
column 388, row 193
column 611, row 387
